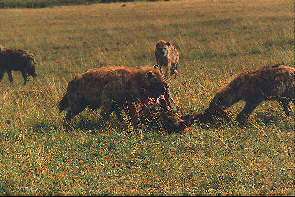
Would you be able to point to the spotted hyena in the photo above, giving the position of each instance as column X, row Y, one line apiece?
column 268, row 83
column 17, row 60
column 167, row 58
column 113, row 89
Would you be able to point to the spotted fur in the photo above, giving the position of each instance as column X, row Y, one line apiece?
column 17, row 60
column 275, row 82
column 167, row 57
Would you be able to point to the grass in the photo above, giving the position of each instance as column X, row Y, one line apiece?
column 217, row 41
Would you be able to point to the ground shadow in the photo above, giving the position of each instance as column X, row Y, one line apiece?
column 162, row 121
column 43, row 127
column 267, row 119
column 281, row 121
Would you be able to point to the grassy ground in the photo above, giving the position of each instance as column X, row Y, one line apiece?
column 217, row 40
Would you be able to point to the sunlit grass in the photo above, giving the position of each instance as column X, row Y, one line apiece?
column 217, row 41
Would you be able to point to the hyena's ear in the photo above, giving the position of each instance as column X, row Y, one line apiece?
column 168, row 43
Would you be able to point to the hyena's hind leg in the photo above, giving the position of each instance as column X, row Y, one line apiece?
column 249, row 107
column 25, row 76
column 9, row 73
column 286, row 106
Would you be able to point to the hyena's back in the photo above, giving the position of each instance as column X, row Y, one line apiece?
column 271, row 82
column 281, row 81
column 16, row 59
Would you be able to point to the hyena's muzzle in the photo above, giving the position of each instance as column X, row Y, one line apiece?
column 63, row 104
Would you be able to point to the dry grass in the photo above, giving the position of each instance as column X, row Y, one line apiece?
column 218, row 40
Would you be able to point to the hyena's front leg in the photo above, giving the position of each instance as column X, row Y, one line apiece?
column 174, row 69
column 73, row 111
column 105, row 113
column 133, row 114
column 1, row 75
column 165, row 70
column 25, row 76
column 9, row 73
column 243, row 116
column 285, row 104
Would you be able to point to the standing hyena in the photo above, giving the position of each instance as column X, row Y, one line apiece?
column 18, row 60
column 113, row 89
column 167, row 58
column 268, row 83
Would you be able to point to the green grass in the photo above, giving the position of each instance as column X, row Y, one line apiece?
column 217, row 41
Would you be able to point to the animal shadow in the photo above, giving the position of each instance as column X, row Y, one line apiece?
column 44, row 127
column 267, row 119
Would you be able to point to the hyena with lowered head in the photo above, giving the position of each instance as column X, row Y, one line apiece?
column 275, row 82
column 167, row 57
column 113, row 89
column 17, row 60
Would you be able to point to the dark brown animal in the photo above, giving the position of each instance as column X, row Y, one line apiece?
column 268, row 83
column 113, row 89
column 17, row 60
column 167, row 58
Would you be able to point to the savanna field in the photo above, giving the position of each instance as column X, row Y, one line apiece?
column 217, row 40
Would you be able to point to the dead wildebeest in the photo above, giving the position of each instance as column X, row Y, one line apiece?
column 158, row 115
column 17, row 60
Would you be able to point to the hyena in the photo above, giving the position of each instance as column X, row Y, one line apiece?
column 113, row 89
column 275, row 82
column 167, row 57
column 17, row 60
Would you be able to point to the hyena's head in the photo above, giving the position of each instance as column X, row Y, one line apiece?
column 162, row 48
column 32, row 71
column 63, row 104
column 30, row 67
column 223, row 99
column 66, row 102
column 154, row 84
